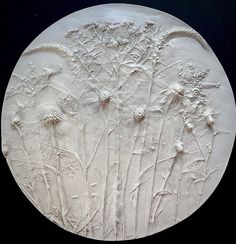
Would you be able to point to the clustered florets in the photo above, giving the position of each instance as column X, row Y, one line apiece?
column 50, row 116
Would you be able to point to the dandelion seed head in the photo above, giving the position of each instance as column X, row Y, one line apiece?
column 50, row 116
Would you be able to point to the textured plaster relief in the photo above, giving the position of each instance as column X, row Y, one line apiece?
column 113, row 131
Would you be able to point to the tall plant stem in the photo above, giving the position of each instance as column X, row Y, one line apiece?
column 126, row 180
column 103, row 212
column 155, row 163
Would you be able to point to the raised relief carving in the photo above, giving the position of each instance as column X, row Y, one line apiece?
column 112, row 138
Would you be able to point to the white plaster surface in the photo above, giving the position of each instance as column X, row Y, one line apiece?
column 118, row 122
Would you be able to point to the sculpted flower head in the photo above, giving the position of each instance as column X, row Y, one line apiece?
column 179, row 147
column 104, row 97
column 139, row 113
column 50, row 115
column 173, row 93
column 210, row 121
column 189, row 126
column 17, row 118
column 209, row 118
column 177, row 92
column 5, row 149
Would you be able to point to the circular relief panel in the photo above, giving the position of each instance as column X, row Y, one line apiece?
column 118, row 122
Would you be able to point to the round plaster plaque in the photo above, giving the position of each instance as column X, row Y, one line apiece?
column 118, row 122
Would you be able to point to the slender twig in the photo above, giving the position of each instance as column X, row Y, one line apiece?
column 89, row 221
column 23, row 147
column 155, row 162
column 166, row 180
column 103, row 212
column 58, row 177
column 143, row 145
column 198, row 144
column 95, row 150
column 126, row 179
column 139, row 179
column 213, row 135
column 167, row 67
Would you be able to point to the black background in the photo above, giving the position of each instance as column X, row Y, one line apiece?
column 20, row 22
